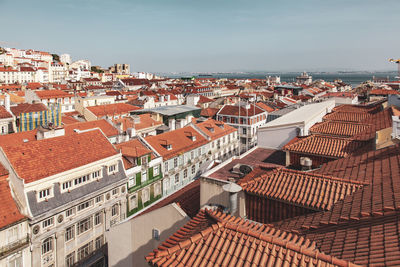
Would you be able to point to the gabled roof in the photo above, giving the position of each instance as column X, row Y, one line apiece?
column 213, row 129
column 324, row 146
column 4, row 114
column 344, row 129
column 133, row 148
column 313, row 191
column 26, row 107
column 35, row 160
column 146, row 121
column 180, row 141
column 112, row 109
column 346, row 116
column 105, row 127
column 48, row 94
column 213, row 238
column 209, row 112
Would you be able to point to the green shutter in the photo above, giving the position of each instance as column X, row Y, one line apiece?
column 150, row 173
column 138, row 176
column 139, row 161
column 149, row 158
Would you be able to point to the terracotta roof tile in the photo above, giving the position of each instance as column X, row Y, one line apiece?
column 133, row 148
column 145, row 122
column 112, row 109
column 344, row 129
column 4, row 114
column 48, row 94
column 180, row 140
column 324, row 146
column 234, row 110
column 68, row 120
column 105, row 127
column 26, row 107
column 215, row 129
column 9, row 212
column 34, row 160
column 304, row 189
column 214, row 238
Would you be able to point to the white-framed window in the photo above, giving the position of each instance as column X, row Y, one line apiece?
column 133, row 202
column 198, row 151
column 45, row 193
column 145, row 195
column 193, row 169
column 15, row 260
column 96, row 174
column 85, row 250
column 114, row 210
column 144, row 176
column 70, row 233
column 98, row 218
column 175, row 162
column 47, row 245
column 70, row 259
column 82, row 179
column 185, row 173
column 69, row 212
column 157, row 189
column 85, row 205
column 115, row 191
column 145, row 160
column 99, row 242
column 156, row 170
column 132, row 181
column 99, row 199
column 66, row 185
column 166, row 183
column 176, row 178
column 12, row 234
column 192, row 154
column 84, row 225
column 48, row 222
column 112, row 168
column 166, row 166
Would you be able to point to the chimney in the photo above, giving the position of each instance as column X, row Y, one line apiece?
column 7, row 102
column 233, row 190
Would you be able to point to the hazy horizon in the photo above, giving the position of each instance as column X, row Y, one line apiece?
column 210, row 36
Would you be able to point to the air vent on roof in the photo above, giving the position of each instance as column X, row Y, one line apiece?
column 242, row 169
column 25, row 140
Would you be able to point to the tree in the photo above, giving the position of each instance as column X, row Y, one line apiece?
column 56, row 57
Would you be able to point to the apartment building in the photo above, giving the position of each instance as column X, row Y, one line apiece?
column 143, row 168
column 51, row 97
column 72, row 188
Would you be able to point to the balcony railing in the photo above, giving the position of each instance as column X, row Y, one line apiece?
column 4, row 250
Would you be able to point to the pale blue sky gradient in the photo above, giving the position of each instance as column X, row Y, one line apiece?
column 210, row 35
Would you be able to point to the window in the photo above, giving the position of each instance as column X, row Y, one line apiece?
column 112, row 168
column 70, row 233
column 199, row 152
column 145, row 195
column 177, row 178
column 84, row 225
column 156, row 234
column 67, row 185
column 144, row 176
column 12, row 234
column 115, row 191
column 47, row 245
column 70, row 259
column 98, row 218
column 133, row 202
column 15, row 261
column 85, row 205
column 193, row 169
column 166, row 166
column 81, row 180
column 96, row 174
column 156, row 170
column 44, row 193
column 85, row 250
column 99, row 199
column 157, row 189
column 132, row 181
column 48, row 222
column 185, row 172
column 70, row 212
column 114, row 210
column 175, row 162
column 144, row 160
column 98, row 242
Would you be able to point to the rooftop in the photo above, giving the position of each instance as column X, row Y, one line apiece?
column 112, row 109
column 170, row 110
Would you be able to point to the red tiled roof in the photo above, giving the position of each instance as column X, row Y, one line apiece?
column 9, row 212
column 26, row 107
column 212, row 129
column 303, row 189
column 324, row 146
column 188, row 199
column 48, row 94
column 146, row 121
column 179, row 140
column 384, row 92
column 347, row 116
column 133, row 148
column 112, row 109
column 209, row 112
column 234, row 110
column 105, row 127
column 68, row 120
column 35, row 160
column 4, row 114
column 343, row 129
column 213, row 238
column 204, row 99
column 264, row 107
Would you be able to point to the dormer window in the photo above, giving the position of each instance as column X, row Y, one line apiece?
column 166, row 144
column 169, row 147
column 191, row 136
column 44, row 194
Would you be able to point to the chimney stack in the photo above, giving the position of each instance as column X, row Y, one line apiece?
column 233, row 190
column 7, row 102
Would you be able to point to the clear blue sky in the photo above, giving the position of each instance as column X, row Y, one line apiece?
column 210, row 35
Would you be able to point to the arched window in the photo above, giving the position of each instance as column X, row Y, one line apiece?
column 47, row 245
